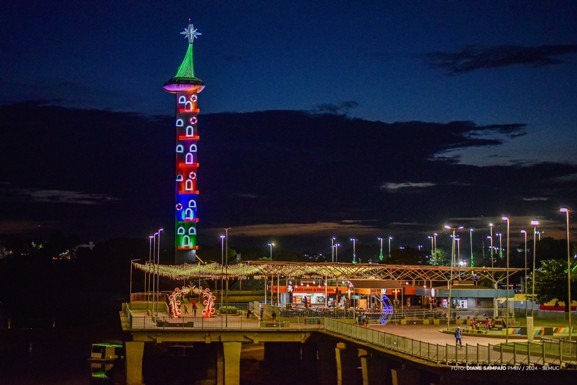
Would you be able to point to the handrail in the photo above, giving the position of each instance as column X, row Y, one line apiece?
column 560, row 353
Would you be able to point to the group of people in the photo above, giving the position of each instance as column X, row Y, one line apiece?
column 476, row 325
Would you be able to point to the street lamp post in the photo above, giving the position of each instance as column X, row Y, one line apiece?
column 130, row 290
column 491, row 235
column 432, row 245
column 226, row 267
column 381, row 249
column 337, row 245
column 534, row 223
column 507, row 219
column 271, row 245
column 471, row 244
column 390, row 238
column 566, row 211
column 333, row 239
column 524, row 232
column 222, row 237
column 354, row 240
column 147, row 275
column 449, row 304
column 435, row 242
column 158, row 270
column 500, row 235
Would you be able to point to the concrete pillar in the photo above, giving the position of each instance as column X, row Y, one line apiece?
column 327, row 365
column 347, row 365
column 375, row 370
column 404, row 376
column 134, row 355
column 231, row 365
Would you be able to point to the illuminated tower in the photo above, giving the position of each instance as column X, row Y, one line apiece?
column 186, row 87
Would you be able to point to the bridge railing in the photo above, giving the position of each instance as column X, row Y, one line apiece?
column 558, row 352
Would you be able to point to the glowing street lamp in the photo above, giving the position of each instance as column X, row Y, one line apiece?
column 500, row 235
column 491, row 237
column 534, row 223
column 507, row 291
column 432, row 245
column 157, row 270
column 449, row 304
column 471, row 243
column 390, row 239
column 354, row 240
column 524, row 232
column 222, row 237
column 333, row 239
column 566, row 211
column 271, row 245
column 130, row 291
column 337, row 245
column 381, row 249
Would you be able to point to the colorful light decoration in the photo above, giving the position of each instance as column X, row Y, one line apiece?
column 387, row 311
column 208, row 302
column 186, row 88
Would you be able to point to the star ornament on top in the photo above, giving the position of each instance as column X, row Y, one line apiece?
column 191, row 33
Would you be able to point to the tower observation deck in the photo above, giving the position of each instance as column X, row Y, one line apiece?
column 186, row 86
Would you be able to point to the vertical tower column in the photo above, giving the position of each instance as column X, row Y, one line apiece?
column 186, row 88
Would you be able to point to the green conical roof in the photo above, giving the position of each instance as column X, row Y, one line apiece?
column 186, row 68
column 185, row 72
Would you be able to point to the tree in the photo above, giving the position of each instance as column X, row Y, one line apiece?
column 551, row 282
column 439, row 257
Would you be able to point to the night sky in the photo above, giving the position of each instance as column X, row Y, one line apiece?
column 319, row 118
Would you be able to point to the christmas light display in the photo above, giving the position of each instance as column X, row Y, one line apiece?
column 175, row 303
column 186, row 88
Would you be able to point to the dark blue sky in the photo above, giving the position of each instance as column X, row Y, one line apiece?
column 506, row 67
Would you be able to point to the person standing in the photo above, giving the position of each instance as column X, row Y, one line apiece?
column 458, row 337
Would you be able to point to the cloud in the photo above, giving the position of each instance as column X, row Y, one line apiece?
column 10, row 194
column 535, row 199
column 397, row 187
column 474, row 57
column 298, row 229
column 341, row 108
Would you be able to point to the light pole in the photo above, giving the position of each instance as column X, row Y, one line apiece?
column 449, row 304
column 565, row 210
column 271, row 245
column 148, row 276
column 130, row 291
column 507, row 279
column 491, row 236
column 333, row 239
column 435, row 242
column 226, row 266
column 381, row 249
column 337, row 245
column 471, row 243
column 524, row 232
column 222, row 237
column 158, row 270
column 500, row 235
column 390, row 238
column 432, row 245
column 534, row 223
column 354, row 240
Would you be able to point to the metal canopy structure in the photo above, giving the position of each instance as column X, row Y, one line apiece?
column 328, row 270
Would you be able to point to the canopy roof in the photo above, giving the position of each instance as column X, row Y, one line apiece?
column 326, row 270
